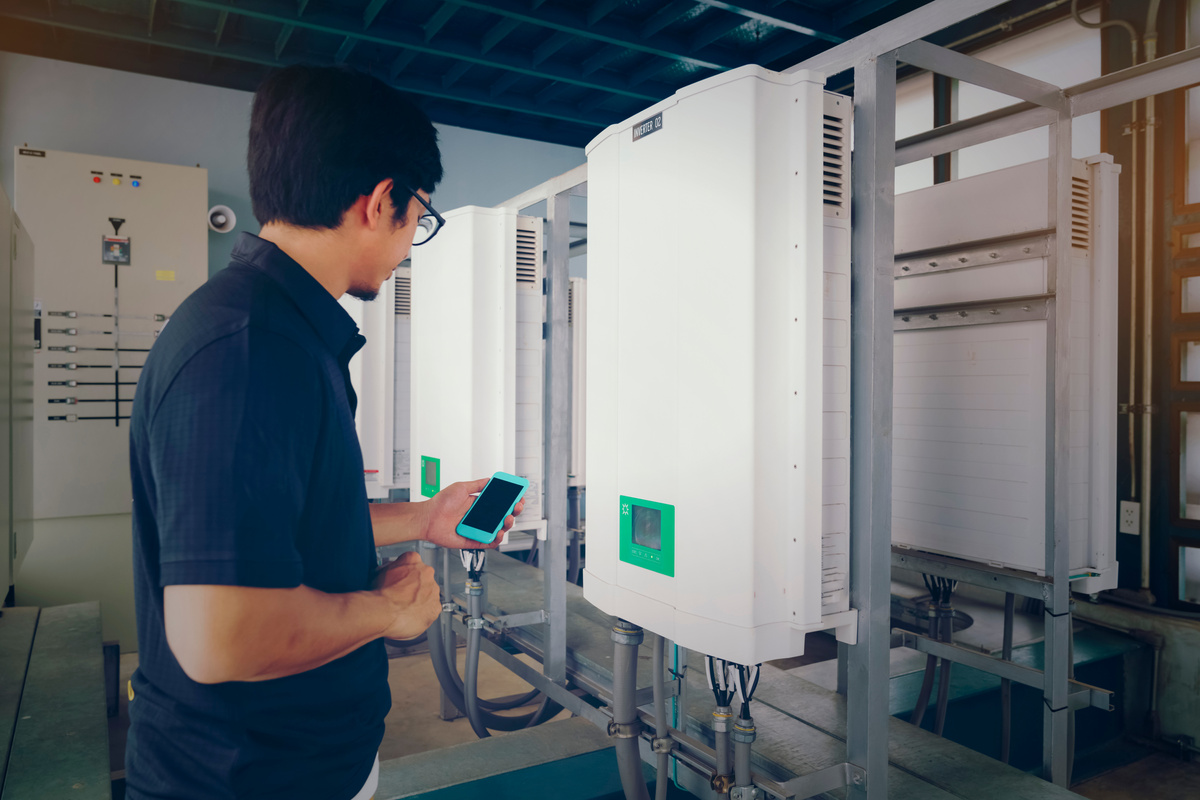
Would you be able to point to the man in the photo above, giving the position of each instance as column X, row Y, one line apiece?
column 262, row 673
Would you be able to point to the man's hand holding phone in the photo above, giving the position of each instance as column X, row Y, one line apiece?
column 445, row 510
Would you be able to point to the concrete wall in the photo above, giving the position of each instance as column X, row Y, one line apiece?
column 57, row 105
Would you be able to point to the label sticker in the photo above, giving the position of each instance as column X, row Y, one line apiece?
column 164, row 275
column 648, row 126
column 36, row 153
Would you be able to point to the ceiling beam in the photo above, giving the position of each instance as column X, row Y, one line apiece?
column 401, row 63
column 222, row 19
column 451, row 76
column 551, row 46
column 496, row 34
column 282, row 39
column 150, row 19
column 372, row 11
column 130, row 29
column 345, row 50
column 716, row 29
column 814, row 25
column 603, row 56
column 503, row 84
column 405, row 38
column 601, row 9
column 438, row 20
column 574, row 21
column 665, row 16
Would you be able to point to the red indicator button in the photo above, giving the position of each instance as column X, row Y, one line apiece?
column 96, row 179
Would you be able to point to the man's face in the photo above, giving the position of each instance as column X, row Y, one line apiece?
column 385, row 248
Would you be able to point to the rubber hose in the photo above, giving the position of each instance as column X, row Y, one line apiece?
column 490, row 705
column 452, row 685
column 660, row 718
column 1005, row 683
column 472, row 683
column 922, row 706
column 629, row 758
column 546, row 711
column 943, row 698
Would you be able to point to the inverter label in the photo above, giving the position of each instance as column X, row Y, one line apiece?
column 648, row 126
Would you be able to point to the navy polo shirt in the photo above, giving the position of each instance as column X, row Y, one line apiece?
column 247, row 471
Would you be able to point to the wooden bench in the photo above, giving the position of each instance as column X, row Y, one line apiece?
column 53, row 711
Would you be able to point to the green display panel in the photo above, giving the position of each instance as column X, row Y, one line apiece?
column 648, row 535
column 431, row 476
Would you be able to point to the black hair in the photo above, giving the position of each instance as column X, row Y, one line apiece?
column 321, row 137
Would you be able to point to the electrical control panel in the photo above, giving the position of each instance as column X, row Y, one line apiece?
column 119, row 245
column 718, row 359
column 978, row 296
column 478, row 356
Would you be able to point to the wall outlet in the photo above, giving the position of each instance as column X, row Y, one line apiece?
column 1130, row 518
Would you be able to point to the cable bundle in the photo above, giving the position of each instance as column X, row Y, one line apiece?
column 722, row 680
column 472, row 561
column 746, row 684
column 940, row 589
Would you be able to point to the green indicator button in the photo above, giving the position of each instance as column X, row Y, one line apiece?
column 431, row 476
column 648, row 535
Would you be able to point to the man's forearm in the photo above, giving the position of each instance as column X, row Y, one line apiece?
column 234, row 633
column 394, row 523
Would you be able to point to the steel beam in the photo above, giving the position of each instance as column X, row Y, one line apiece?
column 1025, row 584
column 574, row 181
column 1156, row 77
column 497, row 33
column 558, row 434
column 871, row 344
column 372, row 11
column 1056, row 714
column 807, row 24
column 85, row 21
column 222, row 19
column 403, row 37
column 946, row 62
column 576, row 24
column 1081, row 695
column 438, row 20
column 916, row 24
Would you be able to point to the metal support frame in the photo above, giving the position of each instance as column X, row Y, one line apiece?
column 872, row 257
column 863, row 668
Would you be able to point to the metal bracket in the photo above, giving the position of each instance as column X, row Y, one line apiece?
column 826, row 780
column 519, row 620
column 975, row 254
column 744, row 793
column 625, row 730
column 973, row 314
column 661, row 746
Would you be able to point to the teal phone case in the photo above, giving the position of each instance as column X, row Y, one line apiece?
column 487, row 537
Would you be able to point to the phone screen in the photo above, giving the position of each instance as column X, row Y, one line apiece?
column 492, row 505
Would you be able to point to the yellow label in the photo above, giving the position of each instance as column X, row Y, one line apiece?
column 129, row 684
column 165, row 274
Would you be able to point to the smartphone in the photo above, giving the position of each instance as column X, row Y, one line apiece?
column 485, row 517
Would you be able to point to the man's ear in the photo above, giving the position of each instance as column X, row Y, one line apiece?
column 377, row 207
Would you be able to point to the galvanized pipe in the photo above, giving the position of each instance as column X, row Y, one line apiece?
column 743, row 738
column 626, row 638
column 1150, row 49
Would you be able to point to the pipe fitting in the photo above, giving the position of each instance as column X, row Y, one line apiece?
column 625, row 730
column 721, row 784
column 474, row 589
column 721, row 719
column 661, row 746
column 476, row 623
column 744, row 731
column 627, row 633
column 744, row 793
column 449, row 608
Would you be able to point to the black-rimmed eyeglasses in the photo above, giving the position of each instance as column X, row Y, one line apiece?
column 427, row 224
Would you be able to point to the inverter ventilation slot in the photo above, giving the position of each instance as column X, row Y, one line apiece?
column 527, row 257
column 1081, row 213
column 403, row 295
column 570, row 304
column 833, row 159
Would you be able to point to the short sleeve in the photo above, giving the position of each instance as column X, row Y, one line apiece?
column 231, row 448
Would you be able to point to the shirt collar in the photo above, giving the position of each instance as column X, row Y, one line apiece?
column 333, row 325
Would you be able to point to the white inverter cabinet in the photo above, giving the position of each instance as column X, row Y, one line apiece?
column 718, row 353
column 478, row 357
column 976, row 304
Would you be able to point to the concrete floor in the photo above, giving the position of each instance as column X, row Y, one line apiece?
column 413, row 726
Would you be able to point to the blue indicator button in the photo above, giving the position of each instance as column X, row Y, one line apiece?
column 137, row 184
